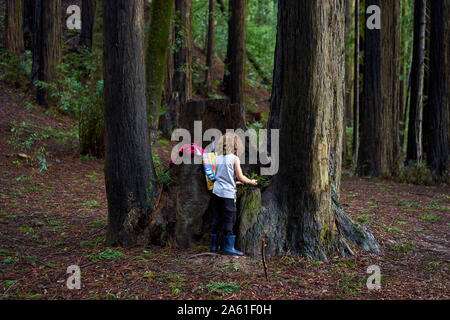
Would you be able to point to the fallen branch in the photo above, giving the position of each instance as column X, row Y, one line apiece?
column 263, row 258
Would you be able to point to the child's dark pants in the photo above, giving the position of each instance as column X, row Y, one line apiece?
column 224, row 215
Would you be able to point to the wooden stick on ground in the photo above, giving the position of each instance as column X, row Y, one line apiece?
column 263, row 245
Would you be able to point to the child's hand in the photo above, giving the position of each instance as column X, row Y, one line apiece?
column 238, row 183
column 253, row 182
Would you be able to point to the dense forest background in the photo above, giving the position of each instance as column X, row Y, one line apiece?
column 87, row 116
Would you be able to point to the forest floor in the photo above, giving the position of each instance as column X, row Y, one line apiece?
column 52, row 219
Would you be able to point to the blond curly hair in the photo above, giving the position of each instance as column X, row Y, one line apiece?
column 229, row 143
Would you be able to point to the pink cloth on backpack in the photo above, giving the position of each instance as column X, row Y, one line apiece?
column 192, row 148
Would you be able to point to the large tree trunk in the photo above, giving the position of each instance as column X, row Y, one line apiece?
column 210, row 46
column 414, row 143
column 300, row 210
column 129, row 173
column 47, row 38
column 435, row 124
column 355, row 145
column 87, row 22
column 13, row 30
column 157, row 42
column 182, row 65
column 234, row 79
column 390, row 155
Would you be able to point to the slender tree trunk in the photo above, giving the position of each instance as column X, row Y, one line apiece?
column 234, row 80
column 447, row 63
column 91, row 129
column 87, row 22
column 210, row 46
column 277, row 83
column 157, row 42
column 355, row 146
column 47, row 52
column 129, row 173
column 28, row 23
column 348, row 78
column 182, row 64
column 299, row 204
column 414, row 144
column 14, row 29
column 435, row 126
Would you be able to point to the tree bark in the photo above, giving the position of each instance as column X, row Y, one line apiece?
column 234, row 79
column 356, row 93
column 129, row 173
column 157, row 42
column 47, row 38
column 447, row 63
column 435, row 126
column 275, row 100
column 300, row 208
column 182, row 64
column 390, row 155
column 210, row 46
column 414, row 143
column 87, row 22
column 14, row 29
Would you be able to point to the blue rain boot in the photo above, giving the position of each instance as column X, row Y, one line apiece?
column 213, row 247
column 228, row 246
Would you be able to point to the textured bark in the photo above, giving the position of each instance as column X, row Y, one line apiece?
column 348, row 78
column 371, row 116
column 297, row 212
column 184, row 214
column 182, row 65
column 275, row 100
column 157, row 42
column 47, row 38
column 356, row 93
column 129, row 173
column 435, row 126
column 447, row 64
column 14, row 30
column 414, row 144
column 234, row 79
column 87, row 22
column 390, row 154
column 210, row 46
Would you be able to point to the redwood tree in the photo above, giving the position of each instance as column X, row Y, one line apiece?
column 300, row 209
column 435, row 124
column 234, row 79
column 47, row 42
column 87, row 22
column 378, row 112
column 157, row 42
column 13, row 30
column 414, row 144
column 182, row 50
column 129, row 173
